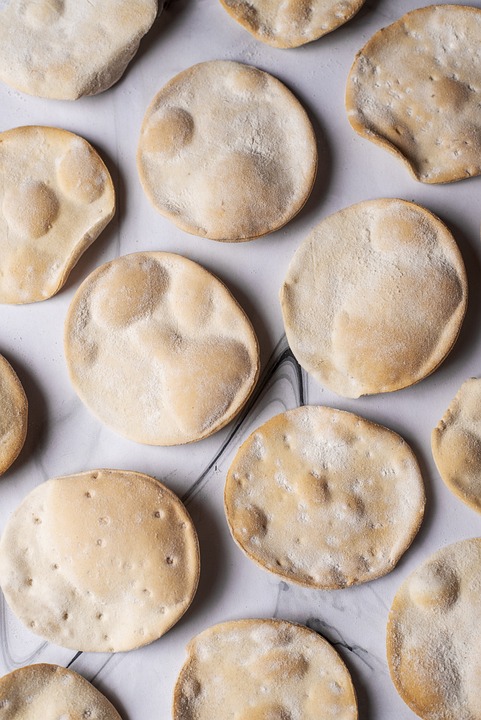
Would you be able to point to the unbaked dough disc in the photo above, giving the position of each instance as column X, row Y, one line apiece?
column 414, row 89
column 292, row 23
column 374, row 298
column 64, row 49
column 13, row 415
column 56, row 197
column 50, row 691
column 263, row 670
column 433, row 635
column 324, row 498
column 101, row 561
column 159, row 350
column 227, row 152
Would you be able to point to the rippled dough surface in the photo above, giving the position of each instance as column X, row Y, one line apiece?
column 414, row 89
column 324, row 498
column 13, row 415
column 101, row 561
column 374, row 298
column 263, row 670
column 433, row 635
column 56, row 197
column 50, row 691
column 64, row 49
column 159, row 350
column 227, row 152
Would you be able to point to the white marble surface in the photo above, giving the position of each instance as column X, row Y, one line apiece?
column 64, row 438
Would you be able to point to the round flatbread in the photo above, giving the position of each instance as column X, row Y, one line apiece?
column 102, row 561
column 51, row 691
column 414, row 90
column 263, row 669
column 227, row 152
column 56, row 197
column 13, row 415
column 64, row 49
column 159, row 350
column 374, row 298
column 324, row 498
column 433, row 635
column 292, row 23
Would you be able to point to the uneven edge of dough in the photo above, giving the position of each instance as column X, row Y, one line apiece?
column 22, row 398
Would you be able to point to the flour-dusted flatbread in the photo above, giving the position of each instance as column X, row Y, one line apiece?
column 101, row 561
column 56, row 197
column 263, row 670
column 433, row 635
column 293, row 22
column 414, row 89
column 227, row 152
column 64, row 49
column 51, row 692
column 374, row 298
column 159, row 350
column 13, row 415
column 324, row 498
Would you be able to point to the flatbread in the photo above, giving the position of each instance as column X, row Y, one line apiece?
column 433, row 635
column 13, row 415
column 324, row 498
column 414, row 90
column 56, row 197
column 51, row 691
column 292, row 23
column 64, row 49
column 263, row 670
column 227, row 152
column 159, row 350
column 101, row 561
column 374, row 298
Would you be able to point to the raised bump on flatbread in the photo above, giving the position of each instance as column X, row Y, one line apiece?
column 64, row 49
column 101, row 561
column 227, row 152
column 414, row 87
column 56, row 197
column 159, row 350
column 374, row 298
column 263, row 670
column 324, row 498
column 13, row 415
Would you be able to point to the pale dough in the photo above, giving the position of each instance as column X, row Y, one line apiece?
column 13, row 415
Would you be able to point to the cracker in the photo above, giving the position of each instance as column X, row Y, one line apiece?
column 13, row 415
column 227, row 152
column 374, row 298
column 50, row 691
column 433, row 635
column 324, row 498
column 64, row 49
column 159, row 350
column 414, row 89
column 56, row 197
column 263, row 670
column 101, row 561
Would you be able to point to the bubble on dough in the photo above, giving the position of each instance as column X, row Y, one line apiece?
column 169, row 131
column 78, row 173
column 434, row 586
column 30, row 208
column 266, row 711
column 39, row 13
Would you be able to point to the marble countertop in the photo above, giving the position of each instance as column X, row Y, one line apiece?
column 64, row 438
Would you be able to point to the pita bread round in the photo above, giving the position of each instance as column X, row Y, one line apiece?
column 414, row 90
column 263, row 670
column 101, row 561
column 159, row 350
column 374, row 298
column 13, row 415
column 64, row 49
column 227, row 152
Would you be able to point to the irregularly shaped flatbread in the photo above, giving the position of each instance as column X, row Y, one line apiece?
column 263, row 670
column 324, row 498
column 227, row 152
column 414, row 89
column 64, row 49
column 102, row 561
column 56, row 197
column 374, row 298
column 13, row 415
